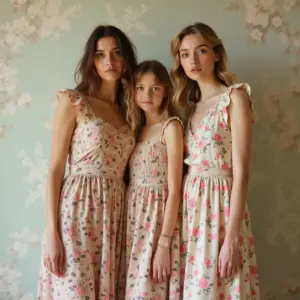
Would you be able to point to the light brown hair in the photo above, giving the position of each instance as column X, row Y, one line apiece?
column 135, row 115
column 186, row 91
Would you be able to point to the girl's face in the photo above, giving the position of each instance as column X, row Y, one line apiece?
column 149, row 93
column 108, row 60
column 197, row 57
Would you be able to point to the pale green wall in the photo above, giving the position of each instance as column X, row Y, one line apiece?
column 39, row 49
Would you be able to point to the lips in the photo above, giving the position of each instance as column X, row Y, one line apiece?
column 196, row 70
column 111, row 70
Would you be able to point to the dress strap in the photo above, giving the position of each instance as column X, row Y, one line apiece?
column 166, row 124
column 77, row 99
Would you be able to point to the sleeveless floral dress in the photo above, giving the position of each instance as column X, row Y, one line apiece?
column 206, row 211
column 90, row 209
column 146, row 199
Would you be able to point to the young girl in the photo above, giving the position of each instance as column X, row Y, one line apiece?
column 217, row 250
column 82, row 244
column 154, row 191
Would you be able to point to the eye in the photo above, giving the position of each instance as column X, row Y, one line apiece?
column 118, row 52
column 156, row 89
column 202, row 51
column 184, row 55
column 99, row 55
column 139, row 88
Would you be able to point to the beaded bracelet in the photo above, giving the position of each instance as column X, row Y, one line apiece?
column 166, row 236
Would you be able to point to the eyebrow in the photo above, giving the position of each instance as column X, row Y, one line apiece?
column 156, row 84
column 101, row 50
column 201, row 45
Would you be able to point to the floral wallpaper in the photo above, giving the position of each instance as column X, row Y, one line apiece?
column 41, row 42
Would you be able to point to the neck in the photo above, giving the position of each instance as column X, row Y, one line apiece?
column 153, row 118
column 108, row 91
column 208, row 87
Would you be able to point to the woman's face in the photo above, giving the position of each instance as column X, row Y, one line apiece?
column 108, row 60
column 197, row 57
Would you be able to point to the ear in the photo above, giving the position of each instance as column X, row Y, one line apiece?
column 217, row 57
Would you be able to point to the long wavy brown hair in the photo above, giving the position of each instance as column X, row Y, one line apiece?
column 135, row 115
column 186, row 91
column 86, row 76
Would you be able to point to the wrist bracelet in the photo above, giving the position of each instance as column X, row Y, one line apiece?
column 165, row 236
column 166, row 247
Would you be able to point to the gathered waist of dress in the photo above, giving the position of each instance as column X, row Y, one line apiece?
column 92, row 170
column 197, row 170
column 144, row 183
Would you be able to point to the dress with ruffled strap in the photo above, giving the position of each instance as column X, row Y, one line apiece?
column 206, row 210
column 90, row 209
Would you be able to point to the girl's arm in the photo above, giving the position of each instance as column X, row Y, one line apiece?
column 174, row 142
column 173, row 137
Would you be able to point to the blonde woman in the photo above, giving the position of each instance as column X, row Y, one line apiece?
column 217, row 251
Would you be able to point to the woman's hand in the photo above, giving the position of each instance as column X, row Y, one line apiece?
column 54, row 254
column 161, row 264
column 229, row 257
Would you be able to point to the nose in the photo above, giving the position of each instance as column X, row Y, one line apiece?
column 109, row 60
column 195, row 58
column 148, row 94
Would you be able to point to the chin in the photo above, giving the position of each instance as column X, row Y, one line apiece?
column 111, row 77
column 197, row 77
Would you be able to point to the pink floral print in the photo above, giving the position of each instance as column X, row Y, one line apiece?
column 146, row 199
column 206, row 212
column 90, row 209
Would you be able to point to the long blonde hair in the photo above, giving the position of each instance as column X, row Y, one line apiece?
column 186, row 91
column 135, row 115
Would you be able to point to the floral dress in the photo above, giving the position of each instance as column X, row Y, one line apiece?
column 90, row 209
column 206, row 211
column 146, row 199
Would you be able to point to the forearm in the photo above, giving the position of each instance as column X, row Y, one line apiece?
column 237, row 206
column 171, row 214
column 53, row 190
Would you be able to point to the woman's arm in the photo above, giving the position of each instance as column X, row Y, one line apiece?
column 64, row 123
column 63, row 127
column 241, row 128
